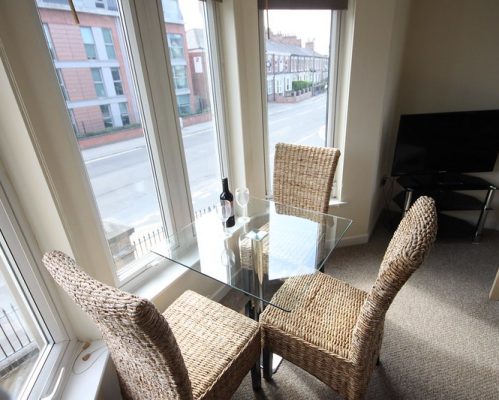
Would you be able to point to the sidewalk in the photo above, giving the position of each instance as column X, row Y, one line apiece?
column 95, row 147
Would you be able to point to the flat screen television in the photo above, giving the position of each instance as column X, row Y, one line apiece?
column 454, row 142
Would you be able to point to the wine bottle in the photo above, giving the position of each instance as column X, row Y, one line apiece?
column 227, row 195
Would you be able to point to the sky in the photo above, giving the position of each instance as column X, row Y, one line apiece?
column 307, row 25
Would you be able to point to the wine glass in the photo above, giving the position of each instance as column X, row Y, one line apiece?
column 242, row 198
column 224, row 210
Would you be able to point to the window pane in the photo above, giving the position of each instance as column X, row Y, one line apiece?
column 118, row 87
column 191, row 66
column 176, row 43
column 108, row 41
column 21, row 334
column 297, row 75
column 112, row 140
column 180, row 77
column 86, row 34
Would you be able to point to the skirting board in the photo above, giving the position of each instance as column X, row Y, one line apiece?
column 353, row 240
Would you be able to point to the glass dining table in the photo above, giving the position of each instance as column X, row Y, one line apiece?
column 256, row 256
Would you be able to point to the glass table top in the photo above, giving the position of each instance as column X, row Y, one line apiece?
column 278, row 242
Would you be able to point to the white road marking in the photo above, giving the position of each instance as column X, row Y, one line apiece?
column 113, row 155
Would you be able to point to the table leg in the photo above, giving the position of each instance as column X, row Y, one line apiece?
column 483, row 215
column 407, row 201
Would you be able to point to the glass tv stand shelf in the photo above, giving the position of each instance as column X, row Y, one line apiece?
column 445, row 189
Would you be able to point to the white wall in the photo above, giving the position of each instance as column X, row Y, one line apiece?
column 374, row 37
column 451, row 63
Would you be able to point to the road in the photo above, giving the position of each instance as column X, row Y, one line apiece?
column 121, row 177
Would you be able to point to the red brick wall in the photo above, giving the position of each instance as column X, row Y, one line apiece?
column 68, row 45
column 199, row 80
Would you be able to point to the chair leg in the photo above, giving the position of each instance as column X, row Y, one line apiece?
column 267, row 363
column 256, row 376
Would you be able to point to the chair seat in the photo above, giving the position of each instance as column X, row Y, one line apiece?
column 324, row 312
column 218, row 344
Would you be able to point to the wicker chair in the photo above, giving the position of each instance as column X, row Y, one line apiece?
column 197, row 349
column 303, row 179
column 335, row 330
column 303, row 175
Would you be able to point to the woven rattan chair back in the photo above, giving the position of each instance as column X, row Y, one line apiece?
column 410, row 244
column 303, row 175
column 144, row 350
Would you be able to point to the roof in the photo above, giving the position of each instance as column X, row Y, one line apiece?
column 289, row 49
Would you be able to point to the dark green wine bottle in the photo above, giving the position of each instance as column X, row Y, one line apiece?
column 227, row 195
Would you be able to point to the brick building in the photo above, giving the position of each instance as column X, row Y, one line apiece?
column 287, row 61
column 92, row 68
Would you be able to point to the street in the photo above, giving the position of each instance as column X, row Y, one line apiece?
column 121, row 177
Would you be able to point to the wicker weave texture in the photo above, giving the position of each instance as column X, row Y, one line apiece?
column 219, row 345
column 303, row 175
column 303, row 179
column 143, row 345
column 335, row 331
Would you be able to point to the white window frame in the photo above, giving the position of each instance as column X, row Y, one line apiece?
column 62, row 84
column 336, row 16
column 26, row 261
column 50, row 43
column 152, row 75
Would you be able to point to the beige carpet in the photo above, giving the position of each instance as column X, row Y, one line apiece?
column 441, row 332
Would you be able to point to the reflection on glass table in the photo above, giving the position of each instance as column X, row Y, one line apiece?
column 277, row 243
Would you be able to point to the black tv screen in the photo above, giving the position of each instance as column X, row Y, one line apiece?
column 446, row 142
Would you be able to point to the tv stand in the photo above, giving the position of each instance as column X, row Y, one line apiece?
column 444, row 189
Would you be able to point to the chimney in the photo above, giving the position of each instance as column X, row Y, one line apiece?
column 310, row 45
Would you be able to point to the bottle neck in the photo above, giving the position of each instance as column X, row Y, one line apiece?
column 225, row 184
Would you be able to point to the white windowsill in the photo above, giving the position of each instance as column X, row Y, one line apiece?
column 88, row 379
column 336, row 203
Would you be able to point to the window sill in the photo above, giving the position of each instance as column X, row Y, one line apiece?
column 336, row 203
column 155, row 280
column 94, row 377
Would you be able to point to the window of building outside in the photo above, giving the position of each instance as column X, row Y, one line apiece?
column 113, row 142
column 125, row 118
column 176, row 44
column 108, row 42
column 180, row 77
column 118, row 85
column 193, row 65
column 88, row 42
column 297, row 80
column 100, row 90
column 99, row 4
column 107, row 116
column 184, row 104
